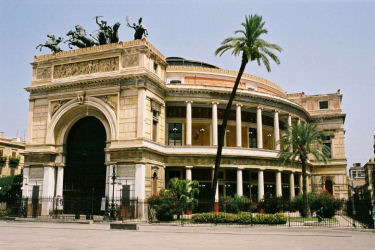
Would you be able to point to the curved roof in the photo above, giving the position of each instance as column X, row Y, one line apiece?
column 179, row 61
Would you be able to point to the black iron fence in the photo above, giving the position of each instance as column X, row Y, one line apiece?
column 80, row 208
column 133, row 209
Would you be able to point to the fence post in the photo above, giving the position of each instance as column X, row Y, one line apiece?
column 289, row 218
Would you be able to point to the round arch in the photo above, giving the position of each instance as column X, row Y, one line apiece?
column 69, row 113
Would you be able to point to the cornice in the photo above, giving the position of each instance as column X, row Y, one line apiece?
column 109, row 79
column 242, row 95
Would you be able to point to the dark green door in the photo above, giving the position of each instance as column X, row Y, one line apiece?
column 84, row 174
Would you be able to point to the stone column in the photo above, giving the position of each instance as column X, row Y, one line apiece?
column 260, row 185
column 279, row 190
column 48, row 190
column 276, row 129
column 290, row 125
column 291, row 185
column 214, row 124
column 188, row 172
column 141, row 112
column 140, row 192
column 238, row 126
column 239, row 182
column 59, row 188
column 299, row 121
column 188, row 122
column 25, row 183
column 300, row 183
column 259, row 128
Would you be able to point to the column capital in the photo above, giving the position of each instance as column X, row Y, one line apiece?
column 188, row 167
column 239, row 105
column 276, row 111
column 260, row 107
column 189, row 101
column 240, row 168
column 215, row 102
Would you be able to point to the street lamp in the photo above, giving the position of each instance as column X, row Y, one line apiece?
column 201, row 131
column 113, row 216
column 175, row 132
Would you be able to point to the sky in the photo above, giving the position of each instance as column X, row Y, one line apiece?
column 327, row 45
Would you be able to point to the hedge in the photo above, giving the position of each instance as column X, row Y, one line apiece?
column 240, row 218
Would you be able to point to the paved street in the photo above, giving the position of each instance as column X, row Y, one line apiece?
column 17, row 235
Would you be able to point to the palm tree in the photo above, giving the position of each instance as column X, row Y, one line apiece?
column 299, row 142
column 252, row 48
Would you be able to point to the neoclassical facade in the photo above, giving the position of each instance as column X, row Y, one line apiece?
column 126, row 110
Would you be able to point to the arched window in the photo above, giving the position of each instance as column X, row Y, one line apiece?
column 154, row 184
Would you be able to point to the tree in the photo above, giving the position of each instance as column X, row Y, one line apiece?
column 251, row 48
column 299, row 142
column 179, row 197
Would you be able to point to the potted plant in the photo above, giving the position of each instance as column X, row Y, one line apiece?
column 14, row 161
column 3, row 160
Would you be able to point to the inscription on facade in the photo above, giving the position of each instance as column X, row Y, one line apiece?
column 36, row 173
column 126, row 171
column 86, row 67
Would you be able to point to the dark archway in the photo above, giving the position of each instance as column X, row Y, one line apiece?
column 84, row 174
column 328, row 186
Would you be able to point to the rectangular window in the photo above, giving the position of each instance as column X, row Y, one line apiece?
column 1, row 152
column 14, row 153
column 328, row 144
column 175, row 134
column 155, row 121
column 323, row 104
column 252, row 137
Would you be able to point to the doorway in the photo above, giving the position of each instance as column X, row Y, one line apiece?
column 84, row 174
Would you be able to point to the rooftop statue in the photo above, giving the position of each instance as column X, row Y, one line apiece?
column 79, row 38
column 52, row 43
column 140, row 30
column 106, row 33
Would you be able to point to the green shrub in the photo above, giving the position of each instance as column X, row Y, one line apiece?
column 4, row 213
column 236, row 204
column 323, row 204
column 271, row 204
column 3, row 160
column 241, row 218
column 272, row 219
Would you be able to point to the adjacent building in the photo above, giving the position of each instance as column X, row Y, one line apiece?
column 126, row 111
column 11, row 160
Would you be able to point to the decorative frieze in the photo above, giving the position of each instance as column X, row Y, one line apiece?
column 130, row 61
column 40, row 158
column 86, row 67
column 43, row 73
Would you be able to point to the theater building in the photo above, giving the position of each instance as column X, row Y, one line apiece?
column 126, row 110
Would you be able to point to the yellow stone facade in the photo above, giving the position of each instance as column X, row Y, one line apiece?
column 138, row 98
column 10, row 148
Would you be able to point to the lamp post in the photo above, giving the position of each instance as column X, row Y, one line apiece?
column 175, row 132
column 113, row 217
column 202, row 130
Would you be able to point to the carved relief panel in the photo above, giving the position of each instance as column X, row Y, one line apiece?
column 87, row 67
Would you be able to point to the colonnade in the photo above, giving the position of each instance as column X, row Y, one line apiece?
column 259, row 125
column 279, row 191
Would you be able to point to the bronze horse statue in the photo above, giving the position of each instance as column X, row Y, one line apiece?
column 79, row 38
column 106, row 33
column 52, row 43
